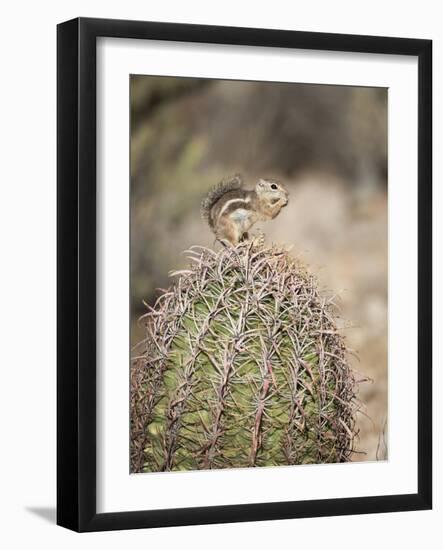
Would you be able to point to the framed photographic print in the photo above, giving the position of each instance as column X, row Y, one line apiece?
column 244, row 274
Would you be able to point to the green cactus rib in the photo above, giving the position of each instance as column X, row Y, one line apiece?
column 242, row 366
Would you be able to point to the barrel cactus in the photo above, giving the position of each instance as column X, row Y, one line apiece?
column 242, row 366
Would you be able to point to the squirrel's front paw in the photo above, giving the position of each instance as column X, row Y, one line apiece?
column 258, row 239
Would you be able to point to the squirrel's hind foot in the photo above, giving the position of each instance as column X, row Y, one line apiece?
column 224, row 242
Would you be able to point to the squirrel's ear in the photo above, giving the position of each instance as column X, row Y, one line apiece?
column 261, row 183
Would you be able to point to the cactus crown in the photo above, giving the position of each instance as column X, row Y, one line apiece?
column 242, row 365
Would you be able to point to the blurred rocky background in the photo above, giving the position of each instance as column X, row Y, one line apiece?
column 327, row 144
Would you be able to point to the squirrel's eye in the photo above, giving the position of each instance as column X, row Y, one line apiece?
column 273, row 186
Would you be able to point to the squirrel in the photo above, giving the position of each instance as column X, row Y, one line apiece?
column 231, row 210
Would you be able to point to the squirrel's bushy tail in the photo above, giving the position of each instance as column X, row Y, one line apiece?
column 226, row 185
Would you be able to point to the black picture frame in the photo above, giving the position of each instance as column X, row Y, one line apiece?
column 76, row 266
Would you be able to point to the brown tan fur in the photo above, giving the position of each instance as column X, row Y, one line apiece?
column 231, row 210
